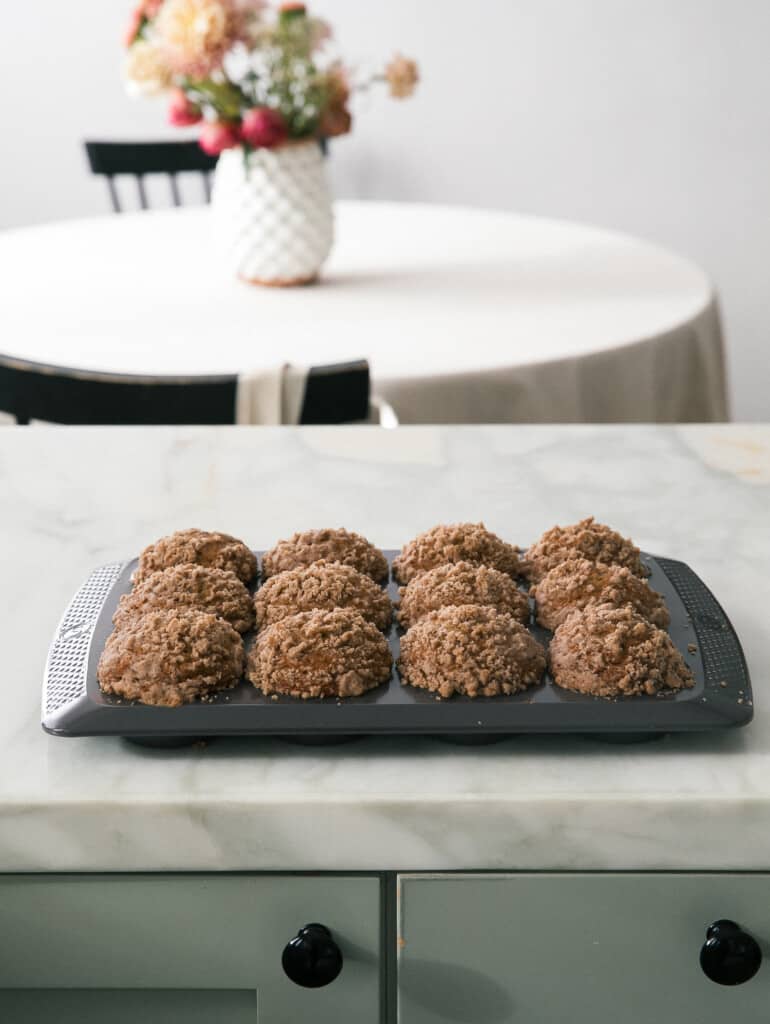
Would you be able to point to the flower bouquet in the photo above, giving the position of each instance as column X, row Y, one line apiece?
column 266, row 90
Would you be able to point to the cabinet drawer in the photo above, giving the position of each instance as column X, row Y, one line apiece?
column 211, row 933
column 127, row 1006
column 542, row 949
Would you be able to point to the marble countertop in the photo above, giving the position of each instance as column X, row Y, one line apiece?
column 73, row 499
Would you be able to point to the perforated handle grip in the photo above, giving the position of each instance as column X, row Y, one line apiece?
column 65, row 670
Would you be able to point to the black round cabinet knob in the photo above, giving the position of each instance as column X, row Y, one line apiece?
column 312, row 958
column 730, row 956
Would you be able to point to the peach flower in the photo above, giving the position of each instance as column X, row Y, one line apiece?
column 145, row 69
column 402, row 76
column 196, row 34
column 320, row 33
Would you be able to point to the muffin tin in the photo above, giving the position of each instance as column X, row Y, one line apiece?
column 73, row 704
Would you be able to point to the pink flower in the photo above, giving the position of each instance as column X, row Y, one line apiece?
column 145, row 10
column 263, row 127
column 182, row 111
column 135, row 23
column 217, row 136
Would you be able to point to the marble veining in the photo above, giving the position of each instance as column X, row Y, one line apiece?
column 72, row 499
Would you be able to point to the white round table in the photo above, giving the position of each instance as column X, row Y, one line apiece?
column 464, row 315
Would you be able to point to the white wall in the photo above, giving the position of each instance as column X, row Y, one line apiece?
column 646, row 115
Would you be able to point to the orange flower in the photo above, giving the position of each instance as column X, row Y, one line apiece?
column 402, row 76
column 337, row 86
column 335, row 121
column 336, row 118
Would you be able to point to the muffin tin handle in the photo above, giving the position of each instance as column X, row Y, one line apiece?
column 65, row 672
column 312, row 958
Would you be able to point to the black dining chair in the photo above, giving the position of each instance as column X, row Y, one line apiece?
column 112, row 160
column 333, row 395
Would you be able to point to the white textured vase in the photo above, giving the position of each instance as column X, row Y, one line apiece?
column 273, row 217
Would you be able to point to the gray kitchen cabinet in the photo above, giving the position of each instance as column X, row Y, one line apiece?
column 482, row 948
column 587, row 948
column 168, row 949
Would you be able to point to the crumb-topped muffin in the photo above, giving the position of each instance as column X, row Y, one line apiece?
column 320, row 654
column 171, row 658
column 462, row 542
column 459, row 583
column 324, row 585
column 586, row 539
column 615, row 652
column 326, row 545
column 578, row 582
column 472, row 650
column 198, row 587
column 198, row 547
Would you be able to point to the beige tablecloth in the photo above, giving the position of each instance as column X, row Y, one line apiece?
column 678, row 377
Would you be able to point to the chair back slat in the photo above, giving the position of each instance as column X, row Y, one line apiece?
column 176, row 199
column 141, row 192
column 114, row 197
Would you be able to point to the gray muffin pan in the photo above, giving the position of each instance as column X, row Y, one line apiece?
column 73, row 704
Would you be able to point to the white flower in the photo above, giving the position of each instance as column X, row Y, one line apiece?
column 145, row 69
